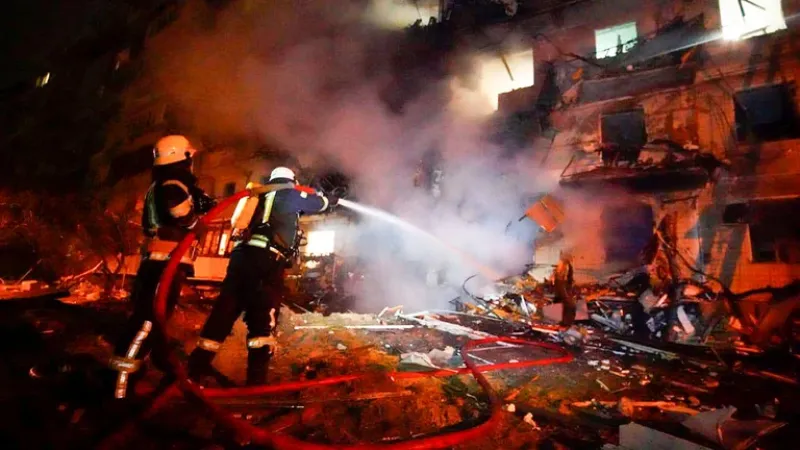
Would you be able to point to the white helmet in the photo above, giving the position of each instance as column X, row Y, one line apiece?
column 172, row 149
column 281, row 172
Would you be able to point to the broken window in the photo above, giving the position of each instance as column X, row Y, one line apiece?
column 625, row 129
column 504, row 73
column 627, row 229
column 742, row 19
column 614, row 40
column 766, row 113
column 401, row 13
column 735, row 213
column 43, row 80
column 230, row 189
column 774, row 228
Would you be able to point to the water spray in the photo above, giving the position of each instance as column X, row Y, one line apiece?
column 377, row 213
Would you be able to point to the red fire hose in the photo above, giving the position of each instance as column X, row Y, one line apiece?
column 248, row 432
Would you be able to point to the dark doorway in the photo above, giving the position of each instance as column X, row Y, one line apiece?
column 627, row 229
column 774, row 228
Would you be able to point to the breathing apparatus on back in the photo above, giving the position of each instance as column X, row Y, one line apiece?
column 280, row 179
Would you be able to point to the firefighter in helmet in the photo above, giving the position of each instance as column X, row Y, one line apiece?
column 172, row 208
column 254, row 281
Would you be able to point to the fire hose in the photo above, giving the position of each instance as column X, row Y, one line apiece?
column 247, row 432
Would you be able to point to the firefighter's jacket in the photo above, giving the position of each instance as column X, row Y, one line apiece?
column 276, row 218
column 172, row 208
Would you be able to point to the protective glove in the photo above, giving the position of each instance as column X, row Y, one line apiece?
column 203, row 201
column 205, row 204
column 332, row 200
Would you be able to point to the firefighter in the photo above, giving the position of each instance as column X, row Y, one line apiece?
column 172, row 208
column 563, row 282
column 254, row 281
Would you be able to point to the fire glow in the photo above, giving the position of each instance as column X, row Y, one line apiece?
column 320, row 243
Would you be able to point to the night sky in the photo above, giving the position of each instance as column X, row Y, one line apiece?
column 32, row 30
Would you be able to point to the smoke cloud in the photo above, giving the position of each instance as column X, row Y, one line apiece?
column 313, row 77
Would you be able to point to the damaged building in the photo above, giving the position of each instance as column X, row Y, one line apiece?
column 688, row 125
column 666, row 130
column 672, row 127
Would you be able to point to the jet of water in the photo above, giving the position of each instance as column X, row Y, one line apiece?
column 487, row 272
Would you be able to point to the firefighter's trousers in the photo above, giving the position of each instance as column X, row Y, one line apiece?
column 139, row 333
column 254, row 285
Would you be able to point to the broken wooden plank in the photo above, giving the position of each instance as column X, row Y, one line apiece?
column 688, row 387
column 543, row 330
column 451, row 328
column 771, row 375
column 644, row 348
column 13, row 295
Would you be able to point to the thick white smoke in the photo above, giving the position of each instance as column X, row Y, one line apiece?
column 309, row 76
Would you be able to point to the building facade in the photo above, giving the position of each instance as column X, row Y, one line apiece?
column 668, row 120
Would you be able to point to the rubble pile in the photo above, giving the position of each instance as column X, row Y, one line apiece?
column 313, row 346
column 613, row 380
column 669, row 353
column 84, row 291
column 77, row 289
column 87, row 291
column 634, row 303
column 23, row 289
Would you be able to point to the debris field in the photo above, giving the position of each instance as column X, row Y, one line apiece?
column 618, row 389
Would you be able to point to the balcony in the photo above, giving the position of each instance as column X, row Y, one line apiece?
column 659, row 166
column 635, row 83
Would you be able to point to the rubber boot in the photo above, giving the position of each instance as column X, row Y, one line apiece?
column 257, row 362
column 199, row 364
column 110, row 382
